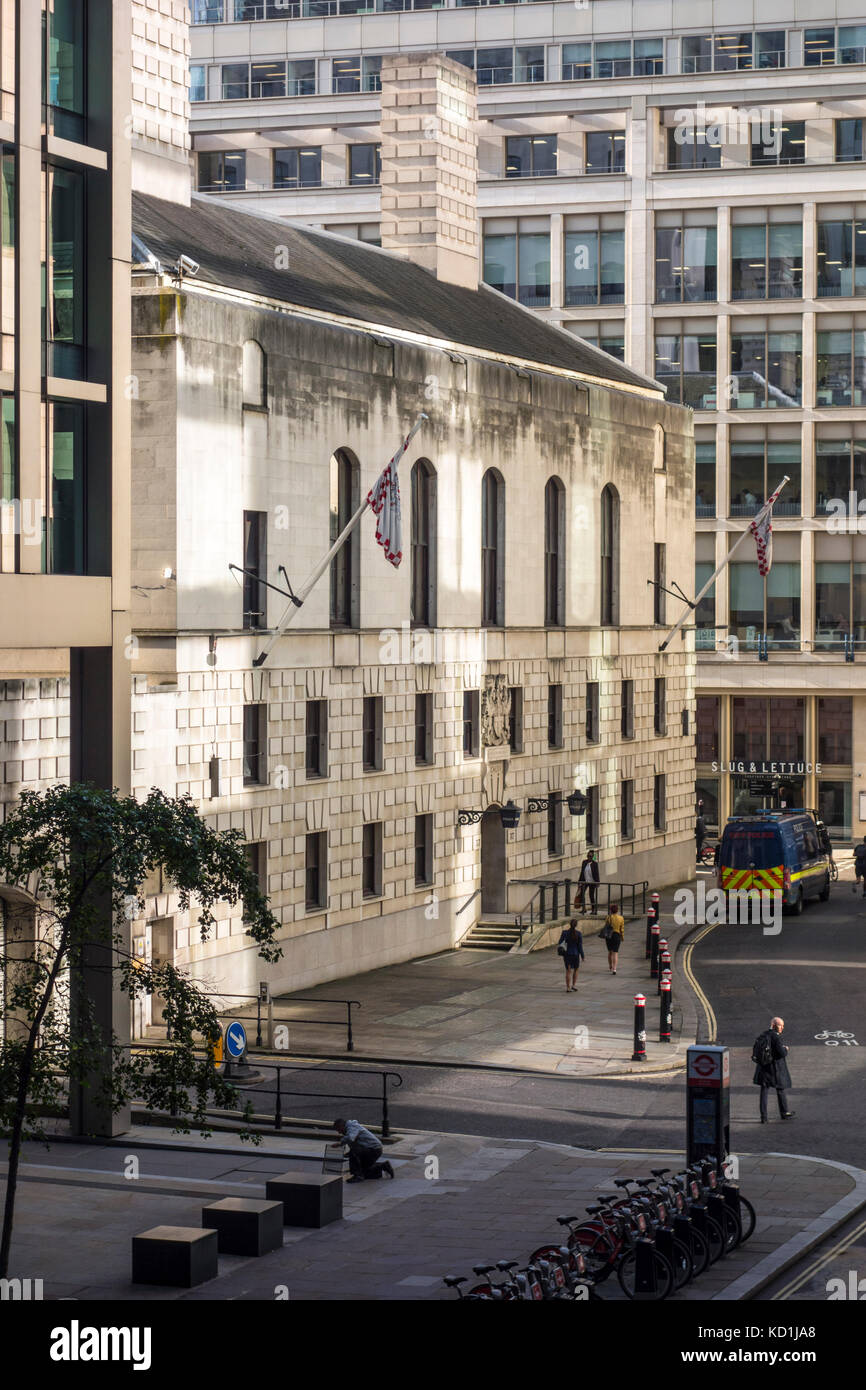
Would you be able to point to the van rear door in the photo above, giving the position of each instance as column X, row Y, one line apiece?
column 751, row 857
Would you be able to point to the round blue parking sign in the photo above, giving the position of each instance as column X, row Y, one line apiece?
column 236, row 1040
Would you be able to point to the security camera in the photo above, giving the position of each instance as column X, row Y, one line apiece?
column 187, row 266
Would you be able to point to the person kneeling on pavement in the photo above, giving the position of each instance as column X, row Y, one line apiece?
column 364, row 1150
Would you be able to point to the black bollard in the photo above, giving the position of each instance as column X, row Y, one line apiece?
column 654, row 953
column 651, row 916
column 639, row 1054
column 665, row 1012
column 664, row 965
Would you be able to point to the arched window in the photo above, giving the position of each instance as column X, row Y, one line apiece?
column 255, row 386
column 423, row 598
column 609, row 557
column 554, row 553
column 492, row 549
column 345, row 483
column 659, row 448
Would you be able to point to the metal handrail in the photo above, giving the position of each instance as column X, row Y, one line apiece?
column 616, row 892
column 327, row 1023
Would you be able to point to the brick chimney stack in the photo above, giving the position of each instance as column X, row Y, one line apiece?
column 430, row 165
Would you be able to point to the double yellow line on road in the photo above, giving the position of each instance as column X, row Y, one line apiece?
column 811, row 1270
column 712, row 1026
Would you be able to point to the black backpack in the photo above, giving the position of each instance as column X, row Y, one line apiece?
column 762, row 1052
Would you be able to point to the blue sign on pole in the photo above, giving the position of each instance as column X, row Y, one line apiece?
column 236, row 1040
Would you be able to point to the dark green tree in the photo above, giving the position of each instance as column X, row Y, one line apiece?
column 74, row 861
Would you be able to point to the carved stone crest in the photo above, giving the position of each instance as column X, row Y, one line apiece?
column 495, row 711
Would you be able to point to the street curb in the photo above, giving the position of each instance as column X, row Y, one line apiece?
column 450, row 1064
column 770, row 1268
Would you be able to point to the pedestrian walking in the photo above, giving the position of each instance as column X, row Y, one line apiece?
column 364, row 1150
column 588, row 886
column 700, row 835
column 614, row 931
column 571, row 949
column 860, row 866
column 771, row 1068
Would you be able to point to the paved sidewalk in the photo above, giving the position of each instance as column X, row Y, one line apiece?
column 491, row 1008
column 456, row 1200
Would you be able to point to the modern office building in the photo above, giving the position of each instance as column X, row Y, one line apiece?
column 682, row 185
column 513, row 655
column 64, row 378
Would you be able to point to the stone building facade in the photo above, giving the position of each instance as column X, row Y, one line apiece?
column 357, row 816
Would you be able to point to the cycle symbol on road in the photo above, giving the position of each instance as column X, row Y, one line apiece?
column 836, row 1039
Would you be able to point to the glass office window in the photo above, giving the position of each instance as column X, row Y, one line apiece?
column 346, row 74
column 786, row 145
column 685, row 264
column 613, row 59
column 840, row 468
column 707, row 728
column 365, row 164
column 197, row 82
column 65, row 287
column 648, row 58
column 302, row 77
column 834, row 730
column 298, row 168
column 605, row 152
column 529, row 63
column 732, row 52
column 530, row 156
column 705, row 613
column 705, row 478
column 757, row 467
column 767, row 370
column 770, row 49
column 610, row 340
column 783, row 605
column 66, row 68
column 771, row 605
column 500, row 262
column 222, row 171
column 494, row 66
column 68, row 488
column 767, row 261
column 841, row 368
column 7, row 260
column 832, row 604
column 819, row 47
column 268, row 79
column 849, row 140
column 517, row 263
column 696, row 54
column 595, row 267
column 689, row 148
column 576, row 62
column 235, row 80
column 841, row 257
column 851, row 45
column 686, row 364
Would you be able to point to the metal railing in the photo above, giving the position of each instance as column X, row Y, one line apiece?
column 265, row 1010
column 280, row 1091
column 554, row 899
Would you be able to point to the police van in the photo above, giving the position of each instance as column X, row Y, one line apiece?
column 775, row 850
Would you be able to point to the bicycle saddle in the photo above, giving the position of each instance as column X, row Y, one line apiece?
column 659, row 1172
column 482, row 1269
column 593, row 1209
column 505, row 1265
column 566, row 1220
column 622, row 1182
column 614, row 1197
column 452, row 1280
column 645, row 1182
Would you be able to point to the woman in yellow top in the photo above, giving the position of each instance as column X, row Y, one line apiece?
column 614, row 930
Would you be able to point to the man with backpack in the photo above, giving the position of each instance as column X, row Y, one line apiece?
column 771, row 1069
column 860, row 865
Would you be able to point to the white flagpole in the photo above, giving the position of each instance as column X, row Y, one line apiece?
column 303, row 593
column 716, row 572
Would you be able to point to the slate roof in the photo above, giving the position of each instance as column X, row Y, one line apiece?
column 337, row 275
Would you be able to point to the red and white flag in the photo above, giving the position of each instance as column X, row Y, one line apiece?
column 762, row 529
column 384, row 498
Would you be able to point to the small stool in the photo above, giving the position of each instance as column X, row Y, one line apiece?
column 245, row 1225
column 180, row 1256
column 309, row 1199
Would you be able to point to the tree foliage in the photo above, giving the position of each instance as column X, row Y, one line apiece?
column 75, row 861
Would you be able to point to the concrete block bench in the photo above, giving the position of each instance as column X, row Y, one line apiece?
column 245, row 1225
column 180, row 1256
column 309, row 1199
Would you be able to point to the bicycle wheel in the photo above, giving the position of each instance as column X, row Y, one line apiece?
column 700, row 1252
column 731, row 1229
column 747, row 1219
column 664, row 1275
column 598, row 1248
column 715, row 1239
column 683, row 1265
column 834, row 871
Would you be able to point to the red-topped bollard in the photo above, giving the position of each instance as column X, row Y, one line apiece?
column 664, row 965
column 639, row 1054
column 651, row 917
column 654, row 951
column 665, row 1012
